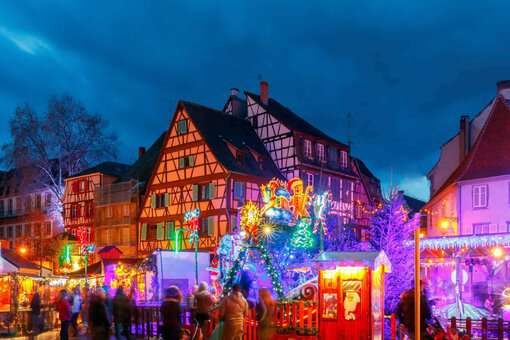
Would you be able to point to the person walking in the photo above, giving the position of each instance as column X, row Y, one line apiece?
column 99, row 323
column 233, row 309
column 35, row 314
column 76, row 305
column 122, row 314
column 64, row 314
column 171, row 314
column 265, row 315
column 203, row 302
column 405, row 312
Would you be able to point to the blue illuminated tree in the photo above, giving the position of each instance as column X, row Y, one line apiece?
column 390, row 230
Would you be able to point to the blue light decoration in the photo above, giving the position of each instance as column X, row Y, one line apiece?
column 321, row 206
column 470, row 241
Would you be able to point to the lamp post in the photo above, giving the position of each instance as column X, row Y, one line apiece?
column 417, row 288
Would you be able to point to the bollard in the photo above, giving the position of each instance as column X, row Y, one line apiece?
column 468, row 326
column 484, row 329
column 393, row 327
column 500, row 329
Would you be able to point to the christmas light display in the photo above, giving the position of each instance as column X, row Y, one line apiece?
column 191, row 223
column 250, row 220
column 303, row 236
column 471, row 241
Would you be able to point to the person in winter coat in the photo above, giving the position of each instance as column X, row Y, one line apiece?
column 35, row 313
column 265, row 314
column 171, row 314
column 233, row 309
column 64, row 314
column 75, row 309
column 122, row 314
column 203, row 302
column 405, row 312
column 99, row 323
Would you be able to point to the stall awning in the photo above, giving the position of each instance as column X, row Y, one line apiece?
column 92, row 269
column 14, row 263
column 367, row 259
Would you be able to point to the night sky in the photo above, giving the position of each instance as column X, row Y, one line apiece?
column 405, row 70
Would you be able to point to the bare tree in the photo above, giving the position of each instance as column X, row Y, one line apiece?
column 59, row 143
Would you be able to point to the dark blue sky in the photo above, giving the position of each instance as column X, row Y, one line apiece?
column 406, row 70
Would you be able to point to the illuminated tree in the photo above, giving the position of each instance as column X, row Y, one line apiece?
column 63, row 141
column 303, row 236
column 390, row 231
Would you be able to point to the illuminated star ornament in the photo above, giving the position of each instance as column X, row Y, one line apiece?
column 250, row 220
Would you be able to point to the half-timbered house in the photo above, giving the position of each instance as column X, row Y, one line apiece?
column 299, row 149
column 210, row 160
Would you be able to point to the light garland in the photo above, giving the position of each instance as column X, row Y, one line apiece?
column 471, row 241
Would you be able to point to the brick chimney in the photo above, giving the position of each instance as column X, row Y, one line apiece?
column 503, row 87
column 464, row 137
column 264, row 92
column 141, row 151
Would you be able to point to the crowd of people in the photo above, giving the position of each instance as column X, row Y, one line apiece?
column 98, row 312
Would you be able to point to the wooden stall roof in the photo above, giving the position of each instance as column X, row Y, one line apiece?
column 330, row 260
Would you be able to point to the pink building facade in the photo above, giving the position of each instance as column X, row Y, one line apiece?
column 466, row 254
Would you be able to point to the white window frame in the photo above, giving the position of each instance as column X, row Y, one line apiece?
column 182, row 126
column 109, row 212
column 343, row 158
column 307, row 145
column 480, row 196
column 321, row 154
column 309, row 178
column 485, row 228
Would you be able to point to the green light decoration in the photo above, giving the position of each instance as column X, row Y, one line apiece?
column 178, row 239
column 303, row 236
column 65, row 256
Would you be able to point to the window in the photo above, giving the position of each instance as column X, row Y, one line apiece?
column 239, row 191
column 208, row 191
column 208, row 226
column 480, row 196
column 507, row 228
column 47, row 229
column 335, row 189
column 159, row 200
column 47, row 200
column 82, row 186
column 309, row 178
column 2, row 207
column 37, row 230
column 109, row 212
column 182, row 126
column 28, row 230
column 307, row 145
column 2, row 233
column 332, row 156
column 343, row 159
column 480, row 228
column 38, row 200
column 88, row 209
column 9, row 207
column 125, row 210
column 74, row 210
column 170, row 230
column 19, row 230
column 321, row 155
column 346, row 190
column 186, row 161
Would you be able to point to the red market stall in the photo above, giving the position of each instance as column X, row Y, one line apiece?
column 351, row 294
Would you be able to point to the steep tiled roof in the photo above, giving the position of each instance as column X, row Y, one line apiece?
column 220, row 129
column 107, row 168
column 290, row 119
column 491, row 153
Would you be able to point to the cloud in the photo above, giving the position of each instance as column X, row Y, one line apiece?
column 26, row 42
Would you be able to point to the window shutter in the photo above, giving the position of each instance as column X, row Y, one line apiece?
column 143, row 232
column 153, row 201
column 211, row 225
column 194, row 192
column 212, row 190
column 483, row 196
column 191, row 160
column 167, row 199
column 159, row 231
column 182, row 163
column 170, row 231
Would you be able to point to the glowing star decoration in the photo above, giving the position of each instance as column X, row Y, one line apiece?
column 250, row 220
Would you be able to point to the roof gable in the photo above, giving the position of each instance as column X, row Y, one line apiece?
column 222, row 131
column 291, row 120
column 491, row 153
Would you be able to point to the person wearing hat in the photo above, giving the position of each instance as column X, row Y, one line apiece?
column 171, row 314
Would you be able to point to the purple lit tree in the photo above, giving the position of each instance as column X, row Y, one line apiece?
column 391, row 230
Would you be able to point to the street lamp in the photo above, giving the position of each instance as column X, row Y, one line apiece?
column 23, row 250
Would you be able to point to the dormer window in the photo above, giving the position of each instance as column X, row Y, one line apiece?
column 307, row 146
column 321, row 155
column 343, row 159
column 182, row 126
